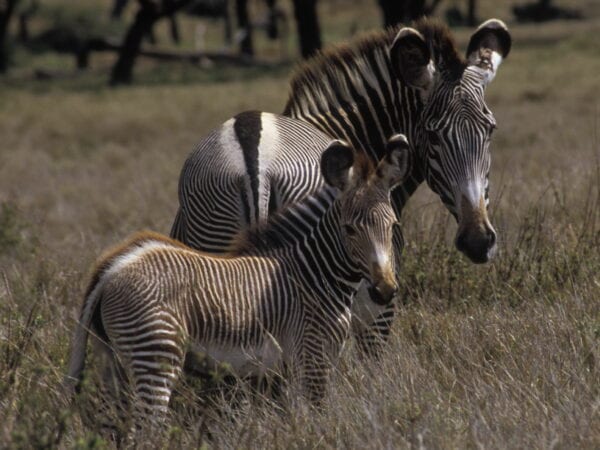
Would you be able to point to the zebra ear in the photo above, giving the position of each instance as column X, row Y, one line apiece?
column 488, row 46
column 392, row 169
column 336, row 164
column 411, row 59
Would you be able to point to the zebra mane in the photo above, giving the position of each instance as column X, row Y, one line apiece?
column 328, row 69
column 443, row 47
column 286, row 227
column 292, row 224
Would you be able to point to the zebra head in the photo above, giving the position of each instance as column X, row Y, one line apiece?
column 366, row 216
column 456, row 125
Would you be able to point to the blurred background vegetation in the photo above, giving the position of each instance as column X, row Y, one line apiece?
column 62, row 39
column 504, row 355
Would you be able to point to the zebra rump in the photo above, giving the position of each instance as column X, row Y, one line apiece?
column 237, row 176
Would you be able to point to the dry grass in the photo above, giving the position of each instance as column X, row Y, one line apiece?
column 498, row 356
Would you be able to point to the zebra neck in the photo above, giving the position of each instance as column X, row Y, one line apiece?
column 289, row 229
column 344, row 128
column 323, row 260
column 306, row 237
column 362, row 102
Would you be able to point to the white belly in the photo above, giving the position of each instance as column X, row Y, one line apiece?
column 242, row 361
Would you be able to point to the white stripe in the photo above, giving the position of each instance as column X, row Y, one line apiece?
column 132, row 256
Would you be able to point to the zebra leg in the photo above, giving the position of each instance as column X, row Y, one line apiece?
column 313, row 374
column 372, row 337
column 318, row 348
column 153, row 361
column 115, row 395
column 154, row 379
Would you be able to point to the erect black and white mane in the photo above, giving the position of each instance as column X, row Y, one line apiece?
column 358, row 83
column 367, row 57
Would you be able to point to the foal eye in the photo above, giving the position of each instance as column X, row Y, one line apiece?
column 350, row 230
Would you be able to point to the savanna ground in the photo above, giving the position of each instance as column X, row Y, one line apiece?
column 503, row 355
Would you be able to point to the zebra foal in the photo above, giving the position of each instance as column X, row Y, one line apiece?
column 284, row 296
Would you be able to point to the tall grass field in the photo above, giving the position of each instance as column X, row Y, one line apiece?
column 498, row 356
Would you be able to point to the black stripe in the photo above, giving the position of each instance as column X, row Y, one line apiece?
column 248, row 126
column 273, row 200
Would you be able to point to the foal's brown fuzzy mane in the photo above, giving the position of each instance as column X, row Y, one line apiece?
column 436, row 34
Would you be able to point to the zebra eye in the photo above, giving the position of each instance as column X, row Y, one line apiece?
column 350, row 230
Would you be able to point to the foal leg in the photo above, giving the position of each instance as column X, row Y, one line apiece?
column 372, row 333
column 154, row 358
column 154, row 375
column 312, row 369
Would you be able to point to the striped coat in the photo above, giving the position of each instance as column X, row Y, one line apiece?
column 285, row 296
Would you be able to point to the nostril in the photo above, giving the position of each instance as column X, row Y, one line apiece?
column 388, row 294
column 375, row 295
column 382, row 297
column 461, row 241
column 491, row 235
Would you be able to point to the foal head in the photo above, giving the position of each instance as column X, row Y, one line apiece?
column 366, row 216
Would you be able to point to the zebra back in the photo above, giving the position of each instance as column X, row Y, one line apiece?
column 252, row 166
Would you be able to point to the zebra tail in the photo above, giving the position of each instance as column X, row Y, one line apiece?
column 88, row 318
column 74, row 377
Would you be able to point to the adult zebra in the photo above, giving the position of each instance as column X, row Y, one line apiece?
column 413, row 81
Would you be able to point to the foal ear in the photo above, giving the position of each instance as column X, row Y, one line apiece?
column 411, row 59
column 488, row 46
column 336, row 164
column 392, row 169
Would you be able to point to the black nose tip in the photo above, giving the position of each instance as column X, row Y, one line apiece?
column 461, row 242
column 382, row 297
column 479, row 246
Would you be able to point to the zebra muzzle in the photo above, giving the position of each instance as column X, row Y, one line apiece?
column 476, row 237
column 383, row 293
